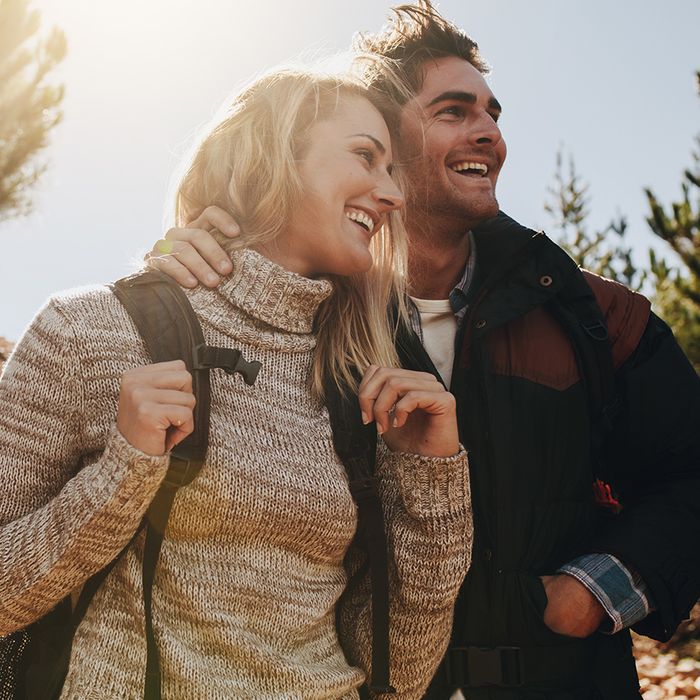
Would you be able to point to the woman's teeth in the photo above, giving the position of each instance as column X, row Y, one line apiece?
column 361, row 218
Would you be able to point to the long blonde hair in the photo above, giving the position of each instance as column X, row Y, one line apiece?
column 247, row 166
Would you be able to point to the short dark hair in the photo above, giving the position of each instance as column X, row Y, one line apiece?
column 415, row 34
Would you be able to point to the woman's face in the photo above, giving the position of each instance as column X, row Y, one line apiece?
column 347, row 193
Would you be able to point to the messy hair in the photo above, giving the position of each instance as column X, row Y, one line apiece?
column 392, row 60
column 247, row 165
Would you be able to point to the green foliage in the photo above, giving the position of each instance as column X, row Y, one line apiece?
column 676, row 295
column 603, row 252
column 29, row 104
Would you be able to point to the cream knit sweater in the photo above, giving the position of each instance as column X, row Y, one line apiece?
column 256, row 550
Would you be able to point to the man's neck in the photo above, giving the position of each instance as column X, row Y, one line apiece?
column 436, row 260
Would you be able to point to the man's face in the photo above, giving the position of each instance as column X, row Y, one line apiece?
column 451, row 146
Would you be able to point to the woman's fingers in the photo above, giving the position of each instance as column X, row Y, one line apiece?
column 432, row 402
column 156, row 406
column 381, row 389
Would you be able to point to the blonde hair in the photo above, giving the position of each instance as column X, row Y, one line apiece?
column 247, row 166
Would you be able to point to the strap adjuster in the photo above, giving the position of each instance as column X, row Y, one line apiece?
column 181, row 471
column 596, row 330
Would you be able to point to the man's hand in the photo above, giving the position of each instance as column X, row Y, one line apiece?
column 191, row 255
column 571, row 609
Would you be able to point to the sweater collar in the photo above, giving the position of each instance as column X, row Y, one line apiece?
column 271, row 294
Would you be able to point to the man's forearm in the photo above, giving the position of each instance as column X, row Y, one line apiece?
column 622, row 593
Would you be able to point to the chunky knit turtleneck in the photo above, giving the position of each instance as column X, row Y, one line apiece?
column 255, row 553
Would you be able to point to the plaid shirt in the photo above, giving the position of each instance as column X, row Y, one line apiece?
column 622, row 593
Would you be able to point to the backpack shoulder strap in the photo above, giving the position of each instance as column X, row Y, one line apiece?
column 170, row 330
column 576, row 309
column 356, row 446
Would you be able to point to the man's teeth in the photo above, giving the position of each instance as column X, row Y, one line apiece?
column 470, row 166
column 361, row 218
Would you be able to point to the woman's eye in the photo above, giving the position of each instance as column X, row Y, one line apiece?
column 366, row 154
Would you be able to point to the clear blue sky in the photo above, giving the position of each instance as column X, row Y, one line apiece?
column 613, row 82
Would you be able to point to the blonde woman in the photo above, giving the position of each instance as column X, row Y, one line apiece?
column 258, row 548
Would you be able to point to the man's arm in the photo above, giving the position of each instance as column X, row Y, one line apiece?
column 655, row 454
column 647, row 569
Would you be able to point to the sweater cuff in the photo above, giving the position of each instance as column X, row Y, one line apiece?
column 134, row 474
column 430, row 487
column 622, row 593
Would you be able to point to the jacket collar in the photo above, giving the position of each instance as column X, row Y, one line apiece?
column 517, row 270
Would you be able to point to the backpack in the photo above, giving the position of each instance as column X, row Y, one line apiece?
column 34, row 661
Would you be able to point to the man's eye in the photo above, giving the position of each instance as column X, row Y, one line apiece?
column 453, row 111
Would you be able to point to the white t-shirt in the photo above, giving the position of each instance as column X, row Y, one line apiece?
column 439, row 326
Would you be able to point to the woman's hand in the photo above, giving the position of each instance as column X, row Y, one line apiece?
column 192, row 255
column 414, row 413
column 155, row 406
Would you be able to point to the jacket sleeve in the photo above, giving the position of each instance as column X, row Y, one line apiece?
column 654, row 455
column 64, row 514
column 428, row 521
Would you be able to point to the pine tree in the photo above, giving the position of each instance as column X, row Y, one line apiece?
column 603, row 252
column 29, row 103
column 676, row 290
column 677, row 297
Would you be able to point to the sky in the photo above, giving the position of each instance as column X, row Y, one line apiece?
column 611, row 83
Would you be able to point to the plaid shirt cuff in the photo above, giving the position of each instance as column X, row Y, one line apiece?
column 622, row 593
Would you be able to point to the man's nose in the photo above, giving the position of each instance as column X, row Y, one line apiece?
column 484, row 131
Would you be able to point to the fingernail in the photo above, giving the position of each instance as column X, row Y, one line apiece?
column 212, row 279
column 225, row 266
column 395, row 423
column 380, row 431
column 365, row 418
column 232, row 230
column 191, row 281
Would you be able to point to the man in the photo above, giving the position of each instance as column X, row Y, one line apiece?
column 557, row 578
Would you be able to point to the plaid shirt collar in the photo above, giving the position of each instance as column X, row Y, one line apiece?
column 458, row 295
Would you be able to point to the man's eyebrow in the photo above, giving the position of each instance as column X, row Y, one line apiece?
column 376, row 142
column 468, row 97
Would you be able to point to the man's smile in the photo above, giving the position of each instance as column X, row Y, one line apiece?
column 470, row 167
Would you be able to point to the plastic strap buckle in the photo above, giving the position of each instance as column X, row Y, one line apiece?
column 472, row 667
column 231, row 361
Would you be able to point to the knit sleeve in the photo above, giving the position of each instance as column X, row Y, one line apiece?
column 59, row 523
column 428, row 521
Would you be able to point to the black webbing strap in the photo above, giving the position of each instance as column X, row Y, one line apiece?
column 355, row 444
column 513, row 667
column 577, row 311
column 170, row 330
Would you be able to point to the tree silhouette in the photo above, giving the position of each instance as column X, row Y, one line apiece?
column 29, row 103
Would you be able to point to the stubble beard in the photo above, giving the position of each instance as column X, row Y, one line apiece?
column 433, row 207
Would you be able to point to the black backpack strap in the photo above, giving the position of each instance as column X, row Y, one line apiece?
column 356, row 446
column 576, row 309
column 170, row 330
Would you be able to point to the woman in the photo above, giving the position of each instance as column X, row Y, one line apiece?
column 254, row 559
